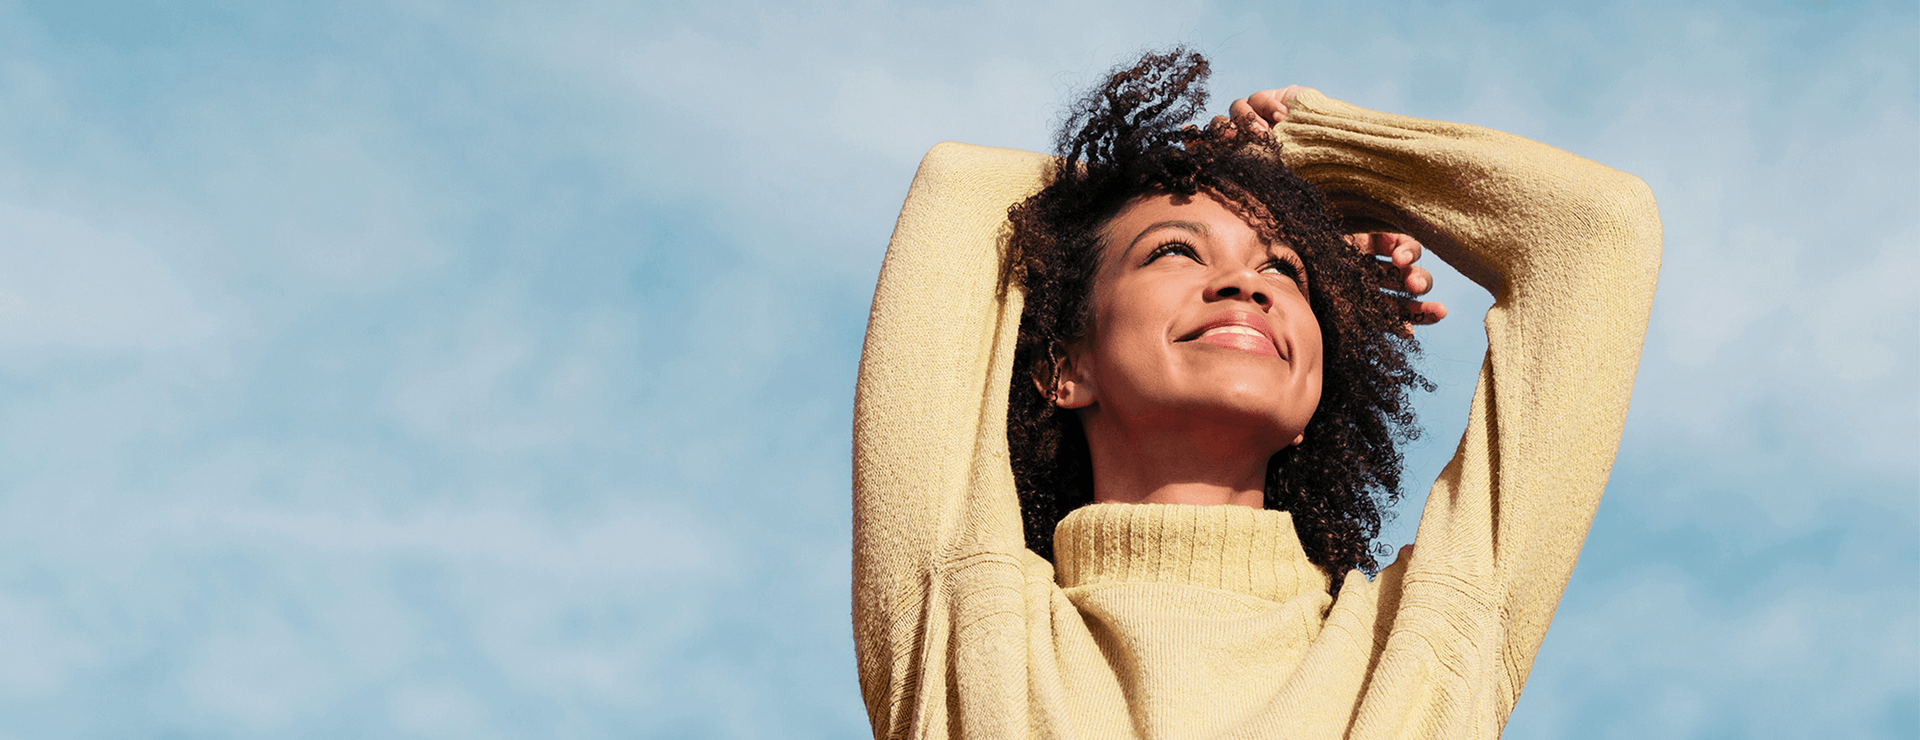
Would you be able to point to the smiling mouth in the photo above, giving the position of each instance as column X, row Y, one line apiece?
column 1238, row 337
column 1246, row 330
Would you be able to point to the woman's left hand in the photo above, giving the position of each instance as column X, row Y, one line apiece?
column 1263, row 110
column 1260, row 111
column 1400, row 274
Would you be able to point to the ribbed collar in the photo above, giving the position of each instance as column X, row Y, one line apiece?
column 1233, row 548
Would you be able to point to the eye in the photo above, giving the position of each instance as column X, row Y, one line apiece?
column 1289, row 268
column 1178, row 249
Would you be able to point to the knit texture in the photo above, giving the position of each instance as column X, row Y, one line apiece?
column 1168, row 621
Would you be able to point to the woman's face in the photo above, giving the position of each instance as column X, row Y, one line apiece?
column 1197, row 319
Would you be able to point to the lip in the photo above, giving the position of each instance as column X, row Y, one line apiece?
column 1237, row 319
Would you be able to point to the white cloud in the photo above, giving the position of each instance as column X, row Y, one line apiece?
column 42, row 652
column 486, row 371
column 441, row 711
column 286, row 609
column 897, row 115
column 1795, row 652
column 68, row 287
column 258, row 672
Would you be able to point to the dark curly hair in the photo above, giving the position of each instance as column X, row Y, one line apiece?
column 1126, row 139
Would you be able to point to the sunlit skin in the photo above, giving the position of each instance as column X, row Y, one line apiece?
column 1203, row 358
column 1260, row 112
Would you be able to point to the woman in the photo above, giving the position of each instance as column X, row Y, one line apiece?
column 1205, row 391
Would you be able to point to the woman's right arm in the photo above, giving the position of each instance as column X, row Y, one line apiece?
column 934, row 508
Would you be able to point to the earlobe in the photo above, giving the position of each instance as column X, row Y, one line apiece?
column 1074, row 394
column 1071, row 386
column 1298, row 439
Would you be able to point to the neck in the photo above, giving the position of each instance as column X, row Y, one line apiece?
column 1184, row 462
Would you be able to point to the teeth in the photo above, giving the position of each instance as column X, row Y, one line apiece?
column 1247, row 330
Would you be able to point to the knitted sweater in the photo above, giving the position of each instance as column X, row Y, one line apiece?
column 1168, row 621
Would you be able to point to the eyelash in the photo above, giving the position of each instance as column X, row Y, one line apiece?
column 1172, row 248
column 1288, row 268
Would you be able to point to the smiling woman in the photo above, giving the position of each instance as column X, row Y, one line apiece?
column 1174, row 324
column 1318, row 442
column 1206, row 361
column 1207, row 355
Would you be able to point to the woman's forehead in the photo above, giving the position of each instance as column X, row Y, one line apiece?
column 1205, row 214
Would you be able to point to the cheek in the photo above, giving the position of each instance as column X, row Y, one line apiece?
column 1133, row 328
column 1122, row 359
column 1310, row 334
column 1310, row 344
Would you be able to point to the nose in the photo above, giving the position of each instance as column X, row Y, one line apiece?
column 1240, row 284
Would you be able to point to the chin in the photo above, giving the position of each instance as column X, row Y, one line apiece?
column 1285, row 408
column 1279, row 422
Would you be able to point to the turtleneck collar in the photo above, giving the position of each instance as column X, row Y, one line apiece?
column 1233, row 548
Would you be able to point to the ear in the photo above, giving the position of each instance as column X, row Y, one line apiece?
column 1071, row 383
column 1297, row 440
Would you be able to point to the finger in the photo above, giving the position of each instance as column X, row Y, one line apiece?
column 1426, row 312
column 1418, row 281
column 1402, row 249
column 1243, row 114
column 1388, row 276
column 1271, row 105
column 1386, row 244
column 1411, row 280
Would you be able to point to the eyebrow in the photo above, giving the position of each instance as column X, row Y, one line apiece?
column 1191, row 226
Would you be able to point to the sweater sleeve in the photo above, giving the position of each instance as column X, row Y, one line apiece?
column 1570, row 250
column 933, row 490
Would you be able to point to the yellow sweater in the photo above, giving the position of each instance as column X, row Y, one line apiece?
column 1166, row 621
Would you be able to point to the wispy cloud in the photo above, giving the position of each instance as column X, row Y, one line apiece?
column 437, row 370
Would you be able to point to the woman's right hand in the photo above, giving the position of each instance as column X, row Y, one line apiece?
column 1400, row 275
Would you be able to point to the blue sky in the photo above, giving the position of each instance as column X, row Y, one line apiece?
column 485, row 369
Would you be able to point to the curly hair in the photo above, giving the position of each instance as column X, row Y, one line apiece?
column 1126, row 139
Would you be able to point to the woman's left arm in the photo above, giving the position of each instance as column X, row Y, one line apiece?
column 1570, row 250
